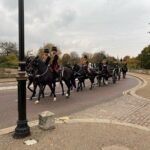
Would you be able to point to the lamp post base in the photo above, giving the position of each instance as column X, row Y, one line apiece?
column 22, row 130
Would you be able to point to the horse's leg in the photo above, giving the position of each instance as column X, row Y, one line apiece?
column 52, row 87
column 81, row 85
column 84, row 83
column 51, row 94
column 62, row 87
column 39, row 95
column 68, row 86
column 99, row 80
column 78, row 86
column 29, row 83
column 43, row 89
column 34, row 90
column 91, row 83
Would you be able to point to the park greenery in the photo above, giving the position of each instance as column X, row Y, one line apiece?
column 9, row 56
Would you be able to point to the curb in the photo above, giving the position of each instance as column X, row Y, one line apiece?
column 142, row 83
column 84, row 120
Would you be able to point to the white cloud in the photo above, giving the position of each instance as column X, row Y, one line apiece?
column 118, row 26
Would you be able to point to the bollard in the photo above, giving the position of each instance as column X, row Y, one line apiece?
column 46, row 120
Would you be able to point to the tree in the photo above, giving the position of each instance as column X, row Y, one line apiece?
column 66, row 59
column 9, row 61
column 8, row 48
column 126, row 58
column 111, row 59
column 74, row 58
column 144, row 58
column 98, row 57
column 133, row 63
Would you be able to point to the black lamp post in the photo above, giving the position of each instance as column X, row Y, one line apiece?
column 22, row 130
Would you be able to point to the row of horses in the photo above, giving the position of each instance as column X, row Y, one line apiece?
column 41, row 75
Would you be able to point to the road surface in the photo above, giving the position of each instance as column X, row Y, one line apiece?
column 77, row 102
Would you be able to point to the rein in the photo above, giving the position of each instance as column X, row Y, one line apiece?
column 38, row 76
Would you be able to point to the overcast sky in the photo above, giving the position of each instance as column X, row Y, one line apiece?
column 118, row 27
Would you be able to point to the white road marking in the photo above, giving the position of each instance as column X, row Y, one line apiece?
column 8, row 88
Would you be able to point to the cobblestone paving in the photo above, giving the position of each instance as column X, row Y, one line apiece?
column 126, row 109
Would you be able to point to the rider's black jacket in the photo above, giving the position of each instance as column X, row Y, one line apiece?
column 47, row 62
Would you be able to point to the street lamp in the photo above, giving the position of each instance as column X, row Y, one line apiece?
column 22, row 130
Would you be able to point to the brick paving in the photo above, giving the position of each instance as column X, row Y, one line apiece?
column 126, row 109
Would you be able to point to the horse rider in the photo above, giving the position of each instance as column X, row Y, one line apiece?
column 46, row 57
column 105, row 69
column 55, row 66
column 86, row 64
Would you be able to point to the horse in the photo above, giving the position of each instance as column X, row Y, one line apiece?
column 31, row 76
column 106, row 71
column 67, row 75
column 124, row 70
column 118, row 70
column 82, row 73
column 44, row 76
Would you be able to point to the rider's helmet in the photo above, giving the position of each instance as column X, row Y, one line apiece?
column 54, row 48
column 46, row 50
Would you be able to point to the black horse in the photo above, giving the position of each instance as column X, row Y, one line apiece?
column 46, row 76
column 82, row 73
column 67, row 75
column 32, row 79
column 31, row 76
column 106, row 71
column 124, row 70
column 118, row 70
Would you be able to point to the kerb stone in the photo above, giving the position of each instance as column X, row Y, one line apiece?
column 46, row 120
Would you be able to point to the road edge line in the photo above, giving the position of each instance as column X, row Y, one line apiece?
column 141, row 83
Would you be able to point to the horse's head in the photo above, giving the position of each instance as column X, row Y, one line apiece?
column 29, row 65
column 76, row 67
column 38, row 65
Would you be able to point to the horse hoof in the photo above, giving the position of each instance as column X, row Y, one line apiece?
column 63, row 94
column 37, row 102
column 54, row 100
column 67, row 95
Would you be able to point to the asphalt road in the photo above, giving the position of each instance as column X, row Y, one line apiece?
column 77, row 102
